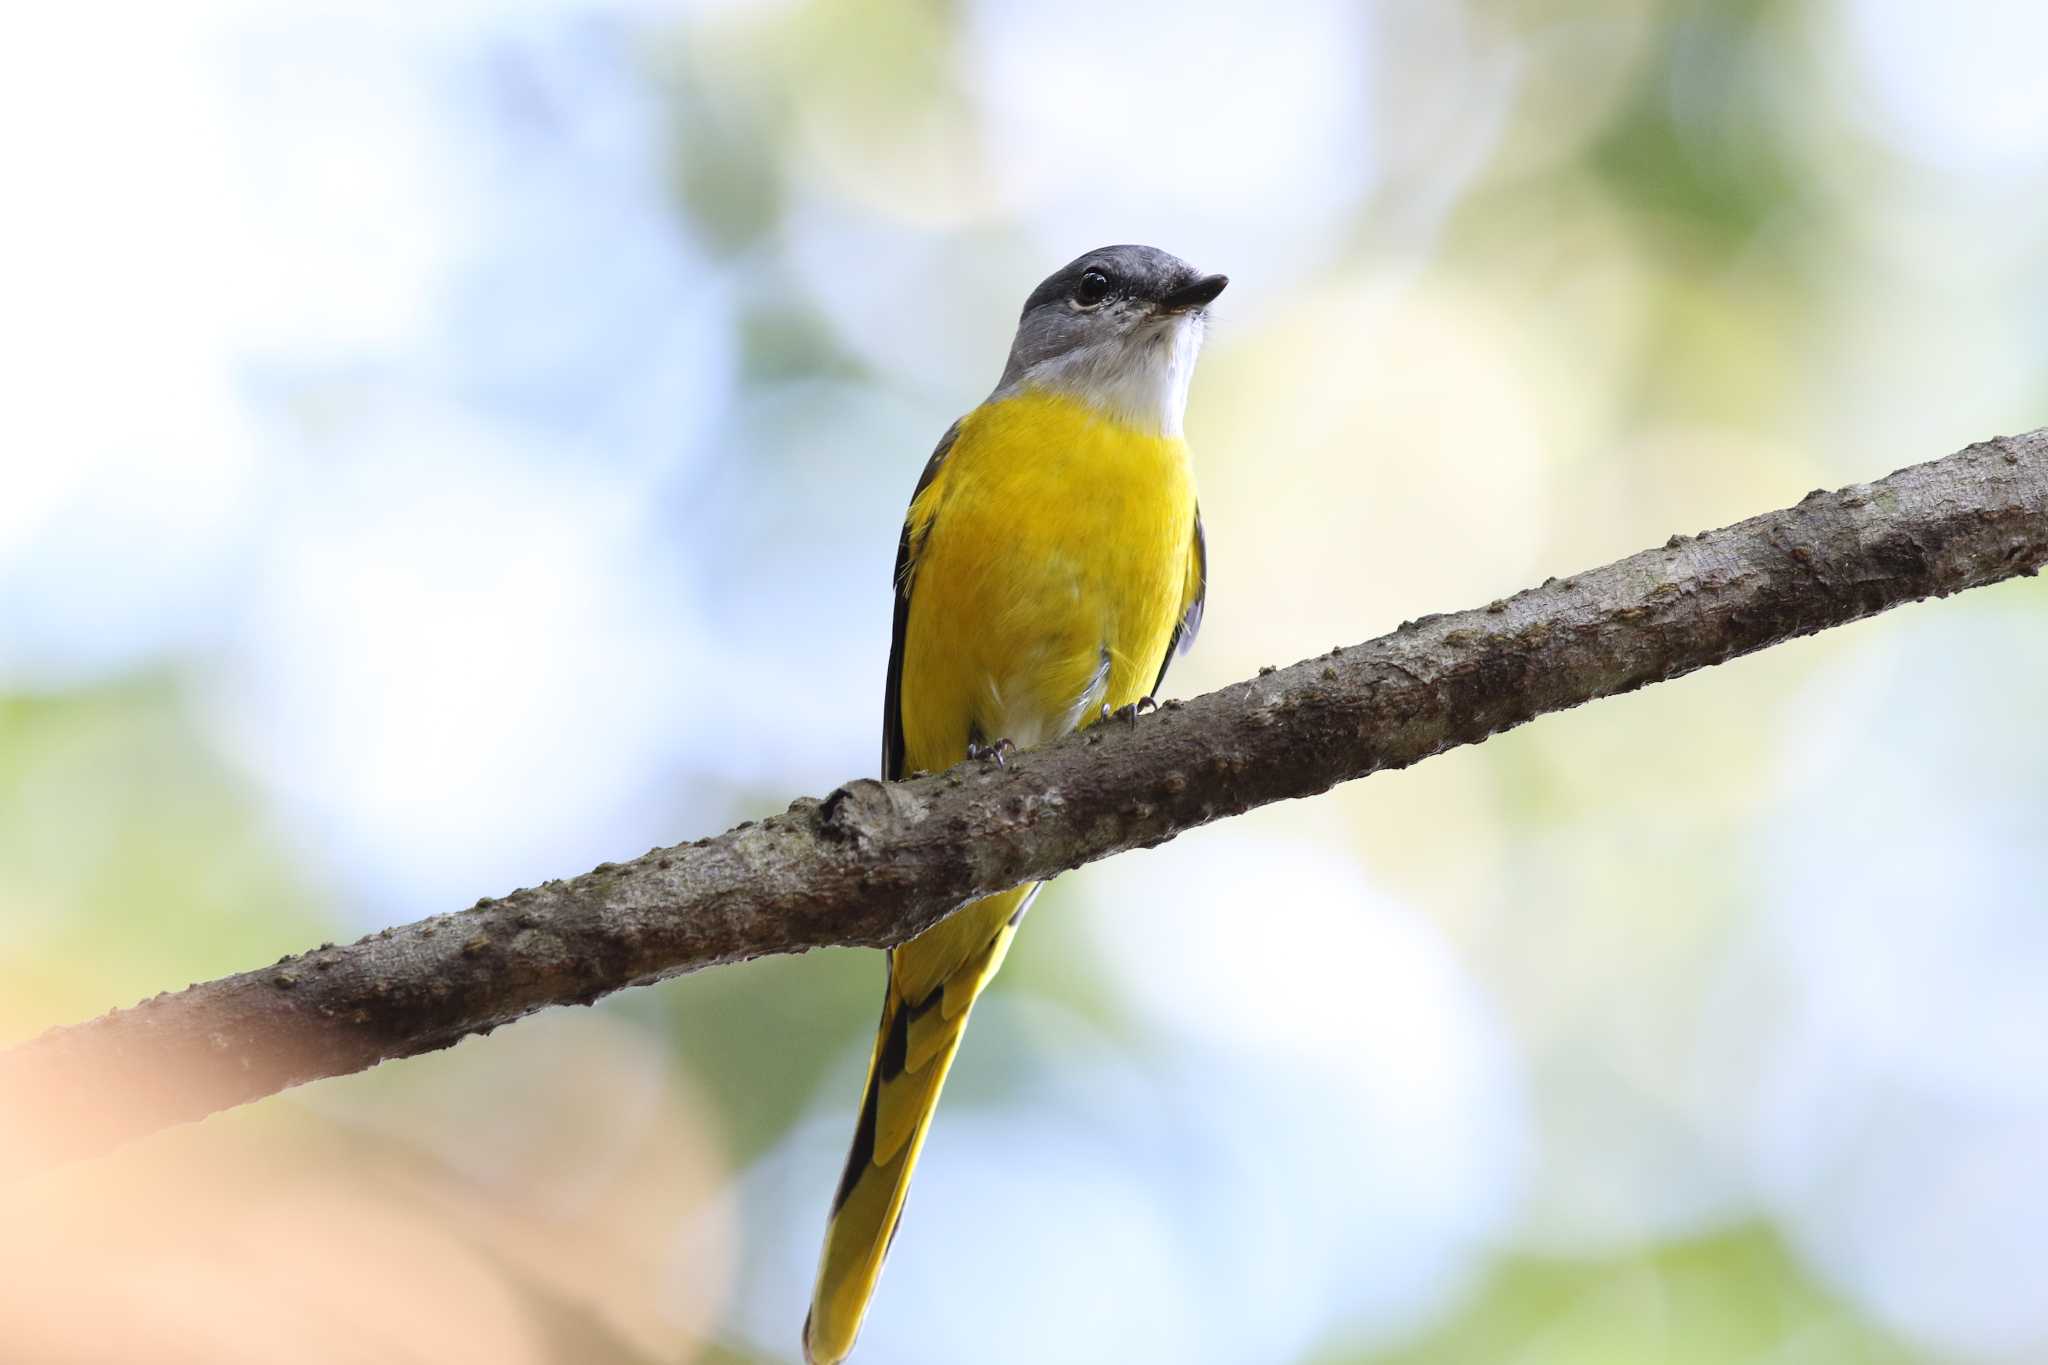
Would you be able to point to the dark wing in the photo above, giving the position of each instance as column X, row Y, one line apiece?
column 1197, row 593
column 906, row 572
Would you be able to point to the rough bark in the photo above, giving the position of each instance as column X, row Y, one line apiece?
column 874, row 863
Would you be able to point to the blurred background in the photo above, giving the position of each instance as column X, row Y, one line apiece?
column 449, row 445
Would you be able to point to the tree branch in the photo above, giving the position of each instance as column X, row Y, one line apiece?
column 874, row 863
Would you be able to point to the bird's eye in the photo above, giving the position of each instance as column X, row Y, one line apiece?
column 1093, row 289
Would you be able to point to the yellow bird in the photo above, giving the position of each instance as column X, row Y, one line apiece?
column 1051, row 564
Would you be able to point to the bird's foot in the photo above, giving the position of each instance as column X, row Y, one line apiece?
column 995, row 750
column 1130, row 713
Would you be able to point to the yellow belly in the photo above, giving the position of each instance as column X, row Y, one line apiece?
column 1054, row 557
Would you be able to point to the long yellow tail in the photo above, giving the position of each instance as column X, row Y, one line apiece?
column 933, row 982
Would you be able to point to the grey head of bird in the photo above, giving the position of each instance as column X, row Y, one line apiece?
column 1117, row 329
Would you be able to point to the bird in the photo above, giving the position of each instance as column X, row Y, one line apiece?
column 1050, row 567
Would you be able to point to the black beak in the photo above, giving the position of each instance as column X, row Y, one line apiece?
column 1198, row 294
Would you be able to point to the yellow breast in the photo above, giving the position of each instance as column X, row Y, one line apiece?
column 1053, row 546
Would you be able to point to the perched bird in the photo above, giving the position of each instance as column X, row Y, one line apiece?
column 1051, row 564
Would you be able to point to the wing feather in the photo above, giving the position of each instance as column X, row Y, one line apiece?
column 908, row 546
column 1193, row 597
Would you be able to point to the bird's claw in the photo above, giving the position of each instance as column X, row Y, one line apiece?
column 994, row 750
column 1131, row 712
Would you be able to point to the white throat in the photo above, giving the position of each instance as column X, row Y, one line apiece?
column 1141, row 380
